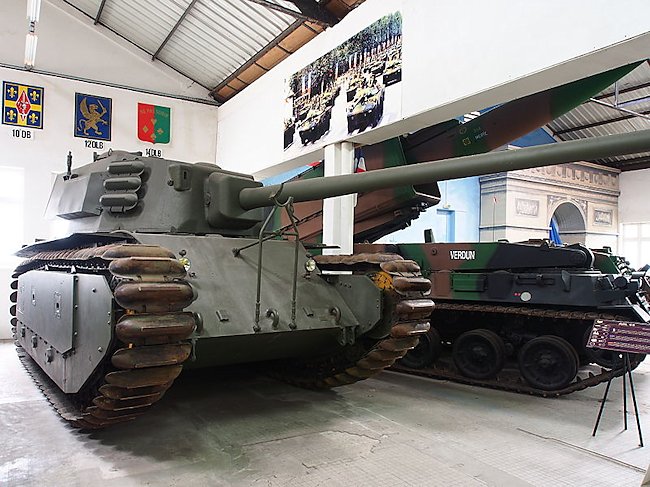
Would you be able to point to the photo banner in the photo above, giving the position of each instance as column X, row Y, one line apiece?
column 354, row 88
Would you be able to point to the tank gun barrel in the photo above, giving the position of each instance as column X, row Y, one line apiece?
column 460, row 167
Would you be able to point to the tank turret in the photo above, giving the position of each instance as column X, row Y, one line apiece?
column 167, row 265
column 125, row 191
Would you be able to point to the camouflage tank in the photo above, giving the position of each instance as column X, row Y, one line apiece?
column 168, row 263
column 366, row 108
column 316, row 123
column 393, row 72
column 377, row 67
column 289, row 130
column 512, row 311
column 356, row 82
column 380, row 213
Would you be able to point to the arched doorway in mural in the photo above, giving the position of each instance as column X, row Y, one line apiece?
column 570, row 223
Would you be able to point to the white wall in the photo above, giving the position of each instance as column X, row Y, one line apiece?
column 69, row 43
column 634, row 218
column 632, row 206
column 193, row 135
column 193, row 138
column 455, row 60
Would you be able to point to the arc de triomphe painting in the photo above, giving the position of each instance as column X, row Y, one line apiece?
column 582, row 197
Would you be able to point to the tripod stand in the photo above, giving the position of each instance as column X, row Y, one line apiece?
column 627, row 370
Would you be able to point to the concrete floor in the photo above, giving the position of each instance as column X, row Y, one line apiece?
column 233, row 427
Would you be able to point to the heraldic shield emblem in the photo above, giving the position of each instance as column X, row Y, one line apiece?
column 22, row 105
column 154, row 123
column 92, row 117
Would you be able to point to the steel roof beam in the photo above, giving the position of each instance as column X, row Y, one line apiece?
column 633, row 164
column 121, row 36
column 308, row 10
column 99, row 12
column 171, row 32
column 255, row 58
column 629, row 89
column 620, row 109
column 315, row 11
column 599, row 123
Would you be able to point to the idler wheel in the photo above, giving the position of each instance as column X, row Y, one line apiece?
column 425, row 353
column 479, row 354
column 548, row 362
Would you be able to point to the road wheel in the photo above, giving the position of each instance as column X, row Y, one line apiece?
column 548, row 362
column 425, row 353
column 479, row 354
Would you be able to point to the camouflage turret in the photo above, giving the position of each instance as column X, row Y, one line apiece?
column 168, row 264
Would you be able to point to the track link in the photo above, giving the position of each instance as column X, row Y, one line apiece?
column 509, row 378
column 149, row 345
column 406, row 312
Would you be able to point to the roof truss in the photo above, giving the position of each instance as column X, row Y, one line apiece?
column 308, row 10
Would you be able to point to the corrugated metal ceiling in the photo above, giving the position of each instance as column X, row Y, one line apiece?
column 210, row 54
column 628, row 111
column 144, row 23
column 224, row 45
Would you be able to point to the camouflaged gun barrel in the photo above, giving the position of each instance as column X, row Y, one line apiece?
column 460, row 167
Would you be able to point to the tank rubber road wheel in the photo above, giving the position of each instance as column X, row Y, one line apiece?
column 548, row 362
column 425, row 353
column 479, row 354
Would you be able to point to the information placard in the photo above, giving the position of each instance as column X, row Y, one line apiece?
column 621, row 336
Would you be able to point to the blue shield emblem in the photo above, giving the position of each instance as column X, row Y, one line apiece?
column 22, row 105
column 92, row 117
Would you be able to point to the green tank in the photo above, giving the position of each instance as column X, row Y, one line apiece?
column 168, row 264
column 517, row 316
column 478, row 299
column 392, row 72
column 366, row 108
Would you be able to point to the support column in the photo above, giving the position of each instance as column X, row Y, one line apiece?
column 338, row 213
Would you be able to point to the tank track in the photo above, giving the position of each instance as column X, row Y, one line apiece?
column 150, row 295
column 406, row 311
column 509, row 379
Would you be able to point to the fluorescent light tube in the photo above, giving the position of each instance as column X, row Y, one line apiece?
column 30, row 49
column 33, row 10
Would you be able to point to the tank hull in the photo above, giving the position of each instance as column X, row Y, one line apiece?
column 225, row 288
column 106, row 328
column 505, row 311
